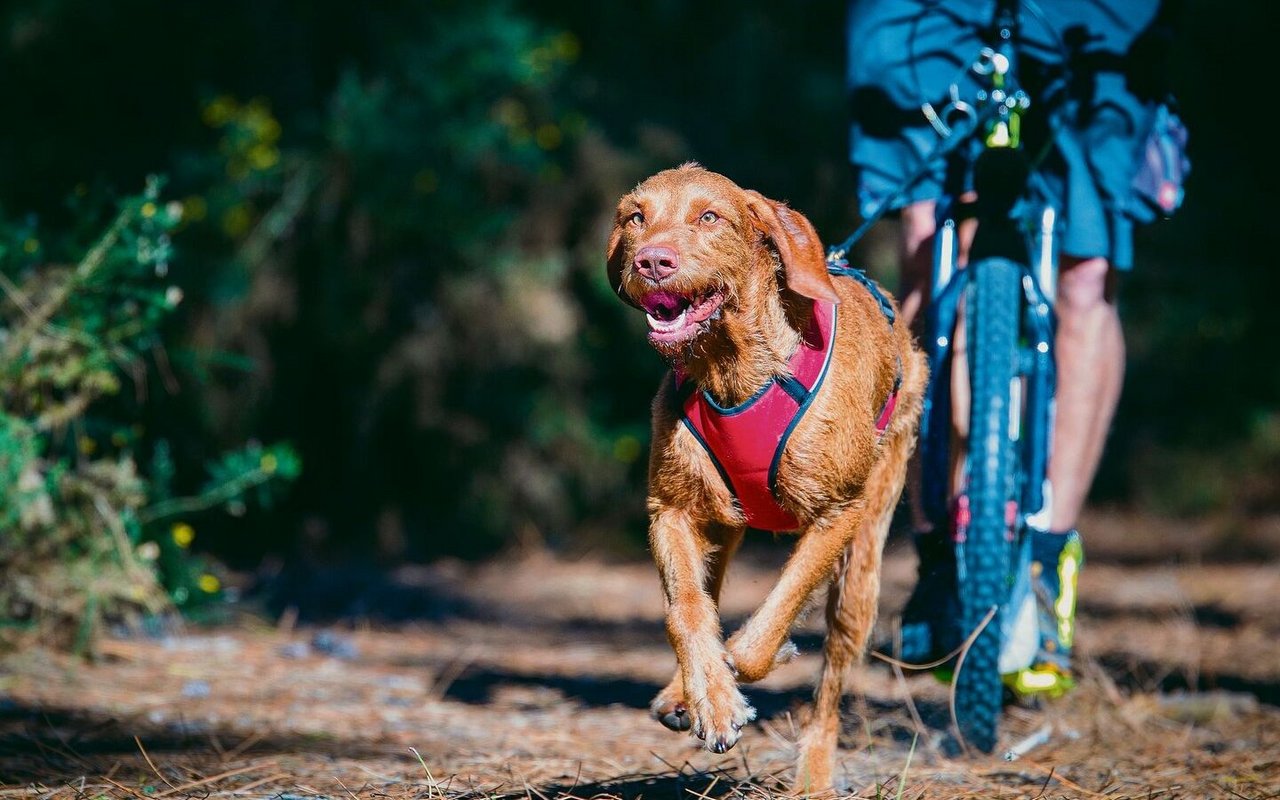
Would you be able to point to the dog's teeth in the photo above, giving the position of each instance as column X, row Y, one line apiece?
column 665, row 326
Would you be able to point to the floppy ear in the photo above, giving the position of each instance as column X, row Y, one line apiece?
column 798, row 245
column 614, row 254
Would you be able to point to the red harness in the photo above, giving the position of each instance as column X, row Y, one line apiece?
column 746, row 441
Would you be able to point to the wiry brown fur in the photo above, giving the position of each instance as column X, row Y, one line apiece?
column 837, row 477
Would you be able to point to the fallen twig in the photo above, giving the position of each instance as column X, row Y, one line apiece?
column 1037, row 738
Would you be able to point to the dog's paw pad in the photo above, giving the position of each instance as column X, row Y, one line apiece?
column 677, row 718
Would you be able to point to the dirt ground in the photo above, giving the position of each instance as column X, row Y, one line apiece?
column 530, row 677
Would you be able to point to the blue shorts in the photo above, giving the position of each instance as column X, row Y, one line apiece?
column 904, row 53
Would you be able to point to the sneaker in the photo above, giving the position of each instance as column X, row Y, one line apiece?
column 1055, row 565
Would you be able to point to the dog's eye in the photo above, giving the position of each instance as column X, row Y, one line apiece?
column 709, row 217
column 636, row 218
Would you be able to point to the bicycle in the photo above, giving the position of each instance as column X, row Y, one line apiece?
column 986, row 477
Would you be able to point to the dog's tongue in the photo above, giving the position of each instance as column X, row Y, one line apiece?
column 664, row 305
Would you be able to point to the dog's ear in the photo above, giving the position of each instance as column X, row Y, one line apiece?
column 798, row 246
column 614, row 255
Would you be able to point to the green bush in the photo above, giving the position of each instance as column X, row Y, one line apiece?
column 89, row 537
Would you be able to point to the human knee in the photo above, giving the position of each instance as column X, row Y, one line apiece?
column 918, row 225
column 916, row 258
column 1085, row 285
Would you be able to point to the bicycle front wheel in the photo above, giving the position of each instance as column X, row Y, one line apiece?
column 992, row 314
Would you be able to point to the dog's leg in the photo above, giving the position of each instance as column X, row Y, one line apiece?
column 851, row 613
column 718, row 711
column 669, row 706
column 757, row 644
column 852, row 603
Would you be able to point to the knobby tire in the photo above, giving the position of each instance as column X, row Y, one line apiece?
column 992, row 318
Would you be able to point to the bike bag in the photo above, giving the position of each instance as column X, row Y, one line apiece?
column 1163, row 163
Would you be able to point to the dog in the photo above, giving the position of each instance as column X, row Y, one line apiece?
column 792, row 405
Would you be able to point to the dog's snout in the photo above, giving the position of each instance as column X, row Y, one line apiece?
column 655, row 262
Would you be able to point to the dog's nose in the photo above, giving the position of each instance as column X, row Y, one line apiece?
column 656, row 263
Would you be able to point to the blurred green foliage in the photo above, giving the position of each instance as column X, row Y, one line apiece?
column 377, row 261
column 391, row 249
column 86, row 537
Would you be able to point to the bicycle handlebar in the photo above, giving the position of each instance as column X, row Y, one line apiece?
column 996, row 111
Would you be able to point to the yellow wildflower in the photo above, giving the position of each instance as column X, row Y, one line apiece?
column 626, row 448
column 220, row 111
column 263, row 156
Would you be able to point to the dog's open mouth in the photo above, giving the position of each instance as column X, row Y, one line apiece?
column 675, row 317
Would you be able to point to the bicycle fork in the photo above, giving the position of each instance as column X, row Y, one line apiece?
column 1031, row 415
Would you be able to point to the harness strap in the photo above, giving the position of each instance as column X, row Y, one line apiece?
column 841, row 267
column 837, row 265
column 746, row 442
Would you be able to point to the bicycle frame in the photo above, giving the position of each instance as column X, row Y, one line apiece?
column 989, row 489
column 1038, row 370
column 1037, row 258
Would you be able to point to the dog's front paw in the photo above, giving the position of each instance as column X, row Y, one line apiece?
column 752, row 662
column 720, row 716
column 670, row 708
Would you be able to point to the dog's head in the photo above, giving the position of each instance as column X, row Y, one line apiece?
column 697, row 253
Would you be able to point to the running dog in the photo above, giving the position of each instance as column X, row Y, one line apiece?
column 791, row 405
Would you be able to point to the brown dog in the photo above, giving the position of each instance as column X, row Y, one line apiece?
column 740, row 300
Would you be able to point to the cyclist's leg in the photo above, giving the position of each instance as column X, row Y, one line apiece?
column 1089, row 350
column 930, row 619
column 915, row 260
column 916, row 257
